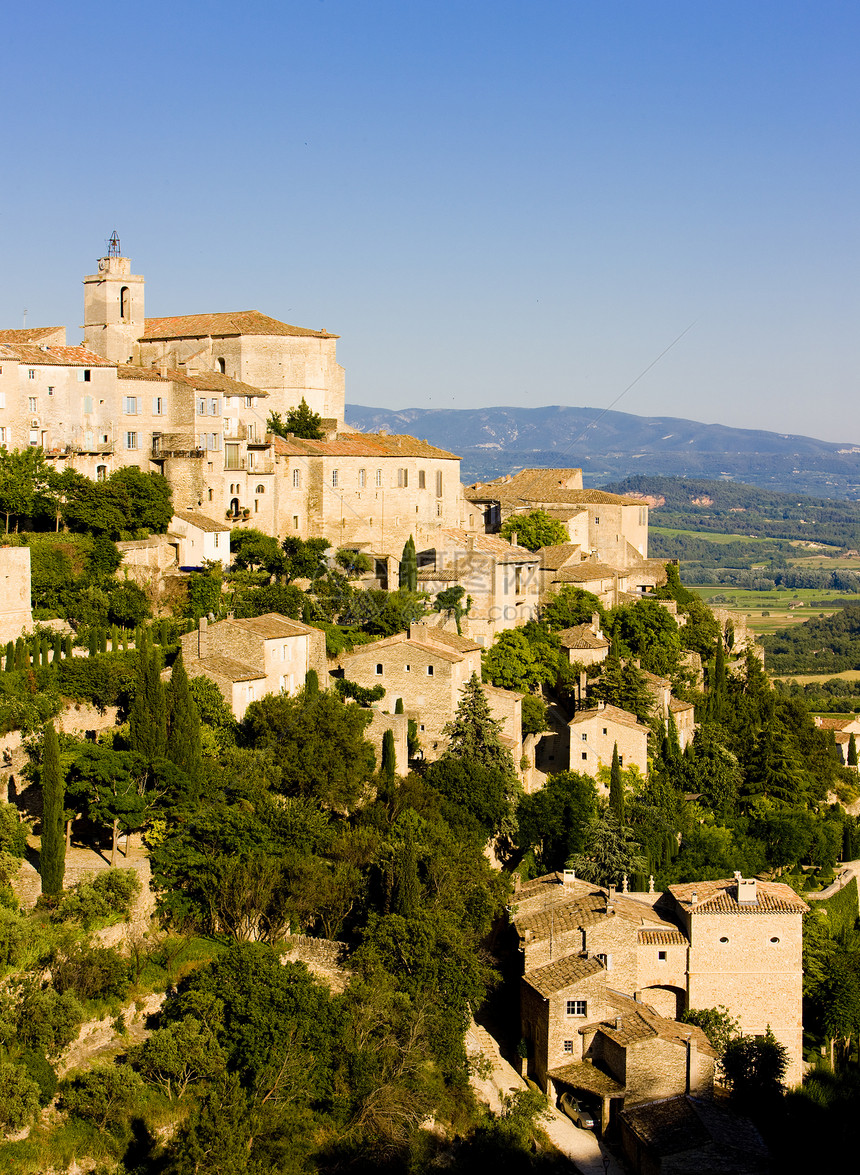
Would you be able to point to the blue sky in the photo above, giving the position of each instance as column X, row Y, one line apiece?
column 501, row 203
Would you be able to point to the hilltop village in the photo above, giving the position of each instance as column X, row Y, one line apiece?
column 358, row 819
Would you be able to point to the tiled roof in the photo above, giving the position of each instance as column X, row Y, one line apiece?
column 678, row 707
column 639, row 1021
column 271, row 625
column 29, row 334
column 425, row 575
column 720, row 897
column 225, row 667
column 56, row 356
column 129, row 371
column 240, row 322
column 542, row 490
column 207, row 381
column 584, row 1075
column 675, row 1126
column 608, row 713
column 833, row 723
column 431, row 650
column 581, row 637
column 662, row 938
column 489, row 544
column 362, row 444
column 555, row 977
column 452, row 640
column 507, row 693
column 585, row 572
column 551, row 558
column 201, row 521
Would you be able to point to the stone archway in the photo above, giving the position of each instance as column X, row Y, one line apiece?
column 669, row 1001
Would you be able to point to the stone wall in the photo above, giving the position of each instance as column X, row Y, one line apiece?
column 15, row 614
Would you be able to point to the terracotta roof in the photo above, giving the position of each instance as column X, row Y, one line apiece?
column 427, row 576
column 539, row 488
column 433, row 651
column 677, row 706
column 554, row 977
column 585, row 572
column 551, row 558
column 662, row 938
column 129, row 371
column 271, row 625
column 224, row 667
column 608, row 713
column 720, row 897
column 362, row 444
column 201, row 521
column 452, row 640
column 833, row 723
column 231, row 323
column 542, row 892
column 584, row 1075
column 508, row 693
column 56, row 356
column 639, row 1021
column 581, row 636
column 29, row 334
column 561, row 909
column 490, row 544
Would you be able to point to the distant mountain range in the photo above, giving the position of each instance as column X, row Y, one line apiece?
column 613, row 445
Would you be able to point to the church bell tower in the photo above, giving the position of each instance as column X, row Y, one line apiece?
column 113, row 307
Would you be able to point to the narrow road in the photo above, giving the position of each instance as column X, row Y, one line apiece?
column 580, row 1146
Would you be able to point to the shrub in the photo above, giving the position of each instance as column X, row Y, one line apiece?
column 104, row 1096
column 41, row 1071
column 90, row 973
column 19, row 1097
column 13, row 833
column 109, row 894
column 46, row 1020
column 13, row 933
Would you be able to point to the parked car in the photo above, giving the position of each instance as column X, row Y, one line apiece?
column 577, row 1111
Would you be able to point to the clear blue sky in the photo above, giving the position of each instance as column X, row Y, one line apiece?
column 492, row 203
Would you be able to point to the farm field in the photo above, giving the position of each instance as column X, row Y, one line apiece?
column 777, row 603
column 811, row 678
column 709, row 536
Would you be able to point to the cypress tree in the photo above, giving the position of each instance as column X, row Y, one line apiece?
column 147, row 717
column 672, row 740
column 398, row 706
column 407, row 890
column 10, row 656
column 312, row 683
column 102, row 641
column 52, row 857
column 58, row 647
column 44, row 659
column 68, row 647
column 408, row 577
column 20, row 654
column 114, row 639
column 852, row 751
column 388, row 767
column 183, row 741
column 616, row 786
column 92, row 643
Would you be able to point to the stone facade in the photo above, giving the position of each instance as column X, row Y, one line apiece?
column 595, row 733
column 200, row 540
column 586, row 950
column 15, row 614
column 250, row 658
column 500, row 578
column 427, row 670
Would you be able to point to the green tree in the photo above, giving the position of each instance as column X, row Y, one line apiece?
column 250, row 550
column 513, row 662
column 183, row 740
column 610, row 852
column 571, row 606
column 388, row 766
column 19, row 1097
column 852, row 746
column 534, row 715
column 111, row 787
column 473, row 735
column 451, row 601
column 407, row 889
column 147, row 719
column 300, row 422
column 755, row 1068
column 52, row 855
column 23, row 482
column 103, row 1095
column 535, row 530
column 616, row 786
column 555, row 820
column 408, row 574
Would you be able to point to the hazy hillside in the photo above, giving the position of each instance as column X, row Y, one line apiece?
column 615, row 444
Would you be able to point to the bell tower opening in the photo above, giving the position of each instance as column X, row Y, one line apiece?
column 113, row 306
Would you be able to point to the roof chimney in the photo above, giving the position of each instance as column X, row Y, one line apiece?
column 747, row 895
column 203, row 638
column 617, row 1022
column 568, row 877
column 513, row 538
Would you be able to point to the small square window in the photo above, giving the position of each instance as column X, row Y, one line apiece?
column 378, row 671
column 585, row 738
column 568, row 1046
column 407, row 668
column 605, row 731
column 661, row 956
column 429, row 670
column 575, row 1007
column 50, row 390
column 31, row 374
column 422, row 479
column 585, row 754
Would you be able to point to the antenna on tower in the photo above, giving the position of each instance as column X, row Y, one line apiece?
column 113, row 245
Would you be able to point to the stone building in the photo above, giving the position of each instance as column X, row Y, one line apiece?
column 585, row 644
column 199, row 540
column 500, row 579
column 590, row 955
column 15, row 614
column 595, row 733
column 247, row 659
column 427, row 670
column 617, row 527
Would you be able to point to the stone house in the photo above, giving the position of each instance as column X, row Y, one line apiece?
column 247, row 659
column 733, row 942
column 842, row 729
column 617, row 527
column 501, row 579
column 15, row 614
column 595, row 733
column 665, row 703
column 684, row 1134
column 427, row 669
column 199, row 540
column 585, row 644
